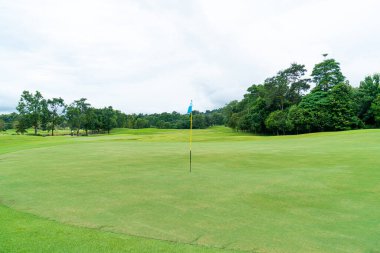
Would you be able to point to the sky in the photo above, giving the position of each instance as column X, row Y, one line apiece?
column 153, row 56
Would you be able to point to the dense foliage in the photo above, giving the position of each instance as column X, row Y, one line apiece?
column 49, row 114
column 282, row 104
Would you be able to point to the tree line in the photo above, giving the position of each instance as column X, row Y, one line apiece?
column 38, row 113
column 283, row 104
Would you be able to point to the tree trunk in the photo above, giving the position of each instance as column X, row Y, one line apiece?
column 35, row 130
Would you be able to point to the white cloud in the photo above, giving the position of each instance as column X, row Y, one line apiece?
column 154, row 56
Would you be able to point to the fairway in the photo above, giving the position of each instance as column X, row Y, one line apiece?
column 308, row 193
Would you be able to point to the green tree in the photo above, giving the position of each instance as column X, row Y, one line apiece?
column 315, row 108
column 256, row 115
column 2, row 125
column 375, row 108
column 367, row 92
column 297, row 84
column 297, row 118
column 276, row 89
column 286, row 88
column 76, row 115
column 131, row 120
column 141, row 123
column 90, row 119
column 277, row 121
column 21, row 125
column 31, row 107
column 73, row 118
column 121, row 119
column 326, row 75
column 9, row 119
column 279, row 92
column 55, row 111
column 109, row 118
column 341, row 108
column 199, row 120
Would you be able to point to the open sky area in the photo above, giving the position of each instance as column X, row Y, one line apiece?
column 154, row 56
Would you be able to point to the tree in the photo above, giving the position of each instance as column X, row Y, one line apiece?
column 76, row 114
column 141, row 123
column 276, row 89
column 199, row 120
column 298, row 85
column 73, row 117
column 297, row 118
column 367, row 92
column 109, row 119
column 277, row 121
column 279, row 92
column 121, row 119
column 31, row 107
column 341, row 108
column 217, row 118
column 55, row 110
column 326, row 75
column 9, row 119
column 90, row 119
column 2, row 125
column 256, row 116
column 375, row 109
column 286, row 88
column 21, row 125
column 315, row 107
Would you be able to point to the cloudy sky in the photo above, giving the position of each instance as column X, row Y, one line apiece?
column 154, row 56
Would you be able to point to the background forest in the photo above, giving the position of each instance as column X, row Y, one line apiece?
column 283, row 104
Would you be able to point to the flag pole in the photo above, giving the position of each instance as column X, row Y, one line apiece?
column 191, row 134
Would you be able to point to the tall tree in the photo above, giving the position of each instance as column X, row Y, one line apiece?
column 298, row 85
column 2, row 125
column 121, row 119
column 327, row 74
column 76, row 114
column 21, row 125
column 315, row 109
column 31, row 108
column 276, row 89
column 367, row 92
column 297, row 118
column 341, row 108
column 55, row 110
column 286, row 88
column 277, row 122
column 375, row 108
column 90, row 119
column 109, row 118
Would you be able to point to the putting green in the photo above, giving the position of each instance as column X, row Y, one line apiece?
column 308, row 193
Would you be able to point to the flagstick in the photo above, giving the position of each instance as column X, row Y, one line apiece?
column 191, row 134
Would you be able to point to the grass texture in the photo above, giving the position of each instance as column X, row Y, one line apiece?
column 132, row 190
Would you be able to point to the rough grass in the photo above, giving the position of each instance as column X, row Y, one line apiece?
column 307, row 193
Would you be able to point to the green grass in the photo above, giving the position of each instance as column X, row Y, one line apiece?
column 22, row 232
column 308, row 193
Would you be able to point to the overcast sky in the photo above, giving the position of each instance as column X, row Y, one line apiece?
column 154, row 56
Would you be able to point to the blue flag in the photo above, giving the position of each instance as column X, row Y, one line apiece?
column 190, row 109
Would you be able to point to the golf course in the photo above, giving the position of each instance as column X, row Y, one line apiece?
column 131, row 191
